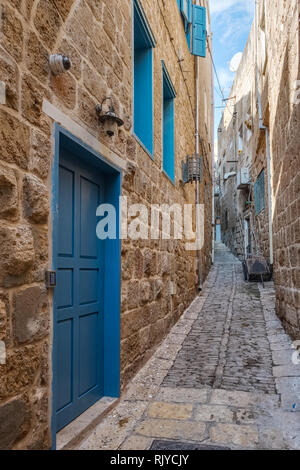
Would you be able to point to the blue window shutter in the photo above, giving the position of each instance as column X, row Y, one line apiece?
column 199, row 31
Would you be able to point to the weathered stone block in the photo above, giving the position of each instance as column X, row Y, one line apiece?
column 41, row 154
column 12, row 33
column 245, row 436
column 183, row 395
column 35, row 196
column 170, row 411
column 21, row 369
column 16, row 250
column 130, row 350
column 28, row 8
column 17, row 4
column 133, row 299
column 146, row 292
column 30, row 314
column 10, row 76
column 4, row 319
column 214, row 413
column 77, row 34
column 37, row 57
column 149, row 262
column 8, row 193
column 64, row 86
column 86, row 107
column 47, row 22
column 84, row 16
column 96, row 7
column 94, row 83
column 32, row 100
column 185, row 430
column 109, row 24
column 132, row 322
column 14, row 140
column 14, row 422
column 64, row 7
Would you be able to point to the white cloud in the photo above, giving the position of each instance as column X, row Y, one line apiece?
column 226, row 78
column 220, row 6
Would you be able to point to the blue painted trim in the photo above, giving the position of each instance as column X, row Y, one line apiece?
column 112, row 303
column 151, row 155
column 168, row 177
column 137, row 9
column 54, row 221
column 168, row 125
column 143, row 19
column 167, row 77
column 187, row 22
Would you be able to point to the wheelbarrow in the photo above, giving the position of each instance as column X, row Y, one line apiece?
column 256, row 269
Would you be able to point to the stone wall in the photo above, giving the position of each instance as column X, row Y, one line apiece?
column 96, row 35
column 278, row 67
column 283, row 72
column 234, row 156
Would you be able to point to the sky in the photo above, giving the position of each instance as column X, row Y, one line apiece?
column 231, row 24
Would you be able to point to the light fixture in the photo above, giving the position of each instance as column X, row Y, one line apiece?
column 59, row 63
column 109, row 119
column 192, row 168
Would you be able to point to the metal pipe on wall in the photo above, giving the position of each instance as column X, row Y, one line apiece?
column 197, row 189
column 213, row 162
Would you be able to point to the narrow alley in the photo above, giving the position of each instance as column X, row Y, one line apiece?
column 223, row 378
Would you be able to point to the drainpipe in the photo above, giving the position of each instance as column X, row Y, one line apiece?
column 197, row 190
column 267, row 136
column 213, row 162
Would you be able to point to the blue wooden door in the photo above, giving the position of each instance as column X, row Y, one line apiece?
column 78, row 296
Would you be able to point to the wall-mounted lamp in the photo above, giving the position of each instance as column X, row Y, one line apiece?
column 59, row 63
column 109, row 119
column 192, row 168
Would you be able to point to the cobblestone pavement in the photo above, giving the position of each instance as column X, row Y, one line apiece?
column 224, row 376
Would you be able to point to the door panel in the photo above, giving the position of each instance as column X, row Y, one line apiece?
column 78, row 297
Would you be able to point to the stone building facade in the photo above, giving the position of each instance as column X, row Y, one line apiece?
column 159, row 278
column 265, row 215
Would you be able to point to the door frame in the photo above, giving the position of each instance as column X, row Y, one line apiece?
column 112, row 262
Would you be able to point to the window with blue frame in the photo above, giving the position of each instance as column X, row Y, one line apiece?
column 143, row 78
column 169, row 95
column 194, row 19
column 259, row 193
column 185, row 8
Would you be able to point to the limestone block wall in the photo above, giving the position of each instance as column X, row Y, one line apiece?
column 277, row 87
column 233, row 156
column 283, row 73
column 96, row 35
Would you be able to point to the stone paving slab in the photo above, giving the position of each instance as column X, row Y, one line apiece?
column 179, row 445
column 223, row 377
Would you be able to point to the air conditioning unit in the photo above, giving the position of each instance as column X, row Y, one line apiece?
column 243, row 178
